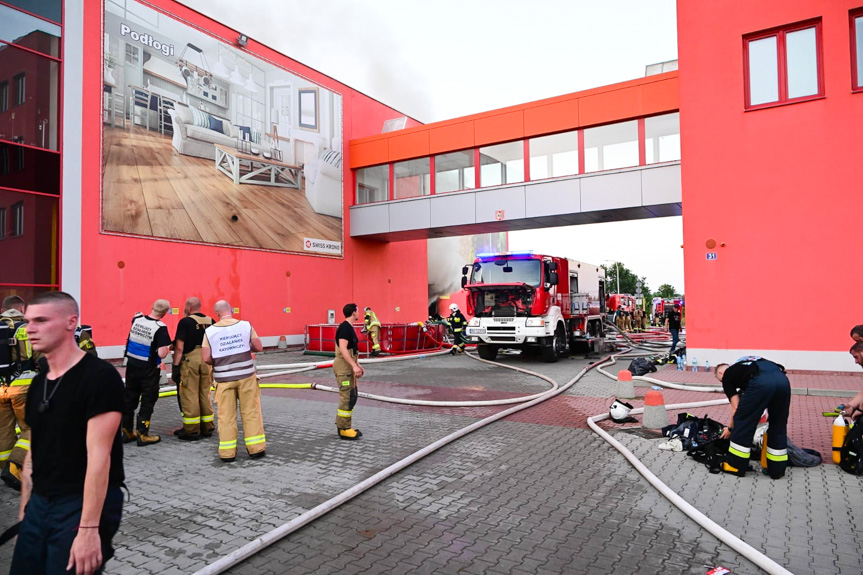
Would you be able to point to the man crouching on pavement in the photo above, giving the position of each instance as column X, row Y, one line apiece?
column 753, row 384
column 71, row 501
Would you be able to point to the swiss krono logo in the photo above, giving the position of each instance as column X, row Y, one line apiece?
column 323, row 246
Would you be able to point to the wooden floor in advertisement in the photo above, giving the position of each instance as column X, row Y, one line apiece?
column 151, row 189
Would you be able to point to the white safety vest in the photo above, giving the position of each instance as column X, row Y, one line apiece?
column 141, row 338
column 230, row 348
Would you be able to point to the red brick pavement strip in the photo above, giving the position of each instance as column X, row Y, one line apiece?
column 807, row 427
column 825, row 380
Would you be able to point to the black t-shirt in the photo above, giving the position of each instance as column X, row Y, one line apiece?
column 346, row 332
column 736, row 378
column 59, row 436
column 190, row 332
column 674, row 319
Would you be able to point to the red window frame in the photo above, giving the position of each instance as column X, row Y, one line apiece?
column 11, row 86
column 782, row 63
column 856, row 82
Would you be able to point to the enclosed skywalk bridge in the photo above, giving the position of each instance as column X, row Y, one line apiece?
column 615, row 195
column 606, row 154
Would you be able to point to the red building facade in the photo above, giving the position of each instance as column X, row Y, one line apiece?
column 769, row 104
column 771, row 112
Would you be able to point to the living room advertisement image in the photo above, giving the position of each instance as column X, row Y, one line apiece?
column 206, row 143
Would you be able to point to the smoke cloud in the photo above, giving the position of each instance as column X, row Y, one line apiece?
column 445, row 261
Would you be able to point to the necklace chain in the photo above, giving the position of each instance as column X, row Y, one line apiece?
column 46, row 399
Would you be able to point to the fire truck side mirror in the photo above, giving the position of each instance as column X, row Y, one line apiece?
column 463, row 281
column 552, row 266
column 553, row 278
column 464, row 270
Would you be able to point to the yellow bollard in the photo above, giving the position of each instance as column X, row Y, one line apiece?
column 840, row 430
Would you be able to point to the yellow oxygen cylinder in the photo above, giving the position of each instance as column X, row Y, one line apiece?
column 840, row 429
column 764, row 451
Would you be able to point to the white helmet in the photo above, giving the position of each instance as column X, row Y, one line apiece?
column 619, row 410
column 453, row 307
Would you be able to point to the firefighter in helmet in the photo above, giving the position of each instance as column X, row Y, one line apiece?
column 18, row 367
column 458, row 322
column 373, row 328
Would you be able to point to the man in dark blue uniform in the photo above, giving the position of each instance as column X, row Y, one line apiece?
column 146, row 347
column 753, row 384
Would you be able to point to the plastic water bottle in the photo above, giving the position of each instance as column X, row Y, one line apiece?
column 694, row 364
column 707, row 366
column 679, row 364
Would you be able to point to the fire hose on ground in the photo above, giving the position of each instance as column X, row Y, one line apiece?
column 723, row 535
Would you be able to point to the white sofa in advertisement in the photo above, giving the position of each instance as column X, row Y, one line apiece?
column 196, row 133
column 323, row 176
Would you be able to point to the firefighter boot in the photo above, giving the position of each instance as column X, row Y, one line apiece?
column 143, row 435
column 128, row 436
column 350, row 434
column 11, row 476
column 733, row 470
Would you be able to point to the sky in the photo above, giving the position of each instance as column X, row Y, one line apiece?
column 445, row 59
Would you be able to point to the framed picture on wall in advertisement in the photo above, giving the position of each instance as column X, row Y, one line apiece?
column 308, row 99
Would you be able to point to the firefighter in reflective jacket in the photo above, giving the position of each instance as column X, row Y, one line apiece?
column 17, row 369
column 638, row 319
column 458, row 323
column 192, row 376
column 373, row 327
column 753, row 384
column 147, row 345
column 84, row 339
column 228, row 347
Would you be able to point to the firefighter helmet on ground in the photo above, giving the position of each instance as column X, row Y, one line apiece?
column 619, row 410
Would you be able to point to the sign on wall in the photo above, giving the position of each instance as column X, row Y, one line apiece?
column 206, row 143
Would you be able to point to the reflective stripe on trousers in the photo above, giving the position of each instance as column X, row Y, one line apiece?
column 247, row 394
column 770, row 389
column 256, row 440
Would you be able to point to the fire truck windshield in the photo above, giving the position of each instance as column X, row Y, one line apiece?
column 505, row 271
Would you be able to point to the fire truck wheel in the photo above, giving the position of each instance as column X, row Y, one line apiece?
column 550, row 353
column 487, row 352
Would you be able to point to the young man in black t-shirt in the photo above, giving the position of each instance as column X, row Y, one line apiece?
column 672, row 324
column 71, row 501
column 347, row 369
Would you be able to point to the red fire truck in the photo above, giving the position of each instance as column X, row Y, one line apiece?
column 660, row 306
column 620, row 300
column 530, row 301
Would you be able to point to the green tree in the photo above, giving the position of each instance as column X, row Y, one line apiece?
column 628, row 280
column 665, row 291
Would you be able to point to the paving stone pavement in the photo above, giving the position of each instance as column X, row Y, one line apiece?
column 536, row 493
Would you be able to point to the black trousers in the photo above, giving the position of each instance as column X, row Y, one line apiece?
column 142, row 386
column 50, row 526
column 770, row 389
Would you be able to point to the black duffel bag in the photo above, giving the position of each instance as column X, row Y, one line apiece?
column 641, row 366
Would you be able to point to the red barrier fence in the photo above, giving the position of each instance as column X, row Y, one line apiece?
column 396, row 338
